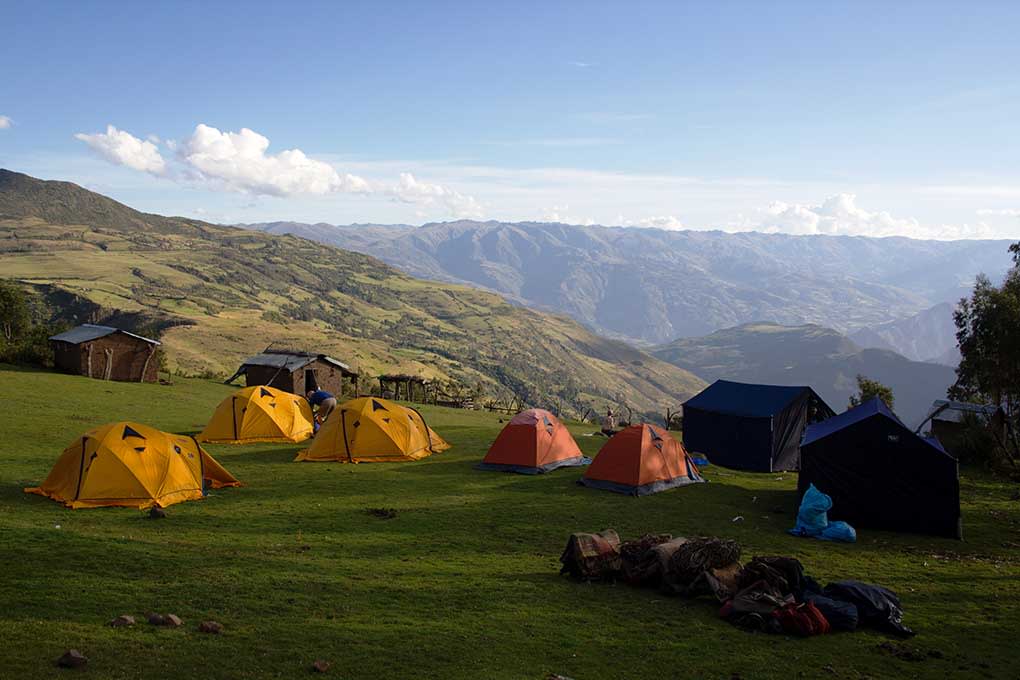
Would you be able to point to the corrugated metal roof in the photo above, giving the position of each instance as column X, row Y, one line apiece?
column 88, row 331
column 292, row 362
column 953, row 411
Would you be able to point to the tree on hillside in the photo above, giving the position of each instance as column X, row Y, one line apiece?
column 15, row 317
column 868, row 388
column 988, row 333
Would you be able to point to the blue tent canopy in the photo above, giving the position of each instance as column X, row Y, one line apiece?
column 881, row 474
column 872, row 407
column 751, row 427
column 746, row 399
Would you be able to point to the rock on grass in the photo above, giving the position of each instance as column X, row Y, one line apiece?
column 320, row 666
column 210, row 627
column 122, row 620
column 72, row 658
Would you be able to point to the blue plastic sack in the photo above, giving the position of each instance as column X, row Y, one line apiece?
column 813, row 519
column 839, row 531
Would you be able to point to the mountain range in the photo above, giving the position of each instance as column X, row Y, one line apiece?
column 810, row 355
column 216, row 294
column 929, row 335
column 650, row 286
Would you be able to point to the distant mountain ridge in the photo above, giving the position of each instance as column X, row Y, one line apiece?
column 650, row 286
column 809, row 355
column 929, row 335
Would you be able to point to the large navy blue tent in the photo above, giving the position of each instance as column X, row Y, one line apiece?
column 880, row 474
column 751, row 427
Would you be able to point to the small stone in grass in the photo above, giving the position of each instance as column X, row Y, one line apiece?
column 72, row 658
column 172, row 620
column 320, row 666
column 157, row 512
column 156, row 619
column 210, row 627
column 123, row 620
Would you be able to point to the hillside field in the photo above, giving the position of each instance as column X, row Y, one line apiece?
column 215, row 295
column 461, row 583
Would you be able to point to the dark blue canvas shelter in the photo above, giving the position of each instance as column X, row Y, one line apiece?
column 880, row 474
column 751, row 427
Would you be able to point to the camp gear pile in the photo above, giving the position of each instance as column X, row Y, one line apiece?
column 771, row 594
column 813, row 519
column 592, row 557
column 640, row 460
column 132, row 465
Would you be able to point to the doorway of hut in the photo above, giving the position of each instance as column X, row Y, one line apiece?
column 310, row 382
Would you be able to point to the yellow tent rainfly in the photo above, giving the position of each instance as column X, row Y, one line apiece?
column 259, row 414
column 373, row 430
column 132, row 465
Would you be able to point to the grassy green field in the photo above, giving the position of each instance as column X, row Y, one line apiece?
column 462, row 583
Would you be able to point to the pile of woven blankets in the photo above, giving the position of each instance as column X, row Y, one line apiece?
column 772, row 594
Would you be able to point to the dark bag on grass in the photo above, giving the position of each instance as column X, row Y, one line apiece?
column 876, row 606
column 592, row 557
column 840, row 615
column 790, row 568
column 654, row 563
column 633, row 553
column 752, row 608
column 685, row 574
column 802, row 619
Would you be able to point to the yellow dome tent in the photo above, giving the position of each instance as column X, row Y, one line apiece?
column 131, row 465
column 259, row 414
column 373, row 430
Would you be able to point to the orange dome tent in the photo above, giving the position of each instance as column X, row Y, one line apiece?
column 641, row 460
column 132, row 465
column 534, row 441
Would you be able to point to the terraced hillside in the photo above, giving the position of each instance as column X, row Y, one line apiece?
column 219, row 293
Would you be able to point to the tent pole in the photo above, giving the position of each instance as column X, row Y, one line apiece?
column 201, row 465
column 343, row 427
column 81, row 468
column 233, row 412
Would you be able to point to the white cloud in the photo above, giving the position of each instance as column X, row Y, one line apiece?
column 841, row 216
column 581, row 64
column 123, row 148
column 563, row 215
column 1000, row 212
column 5, row 122
column 239, row 161
column 658, row 222
column 410, row 190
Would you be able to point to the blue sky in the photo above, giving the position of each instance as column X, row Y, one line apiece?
column 857, row 118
